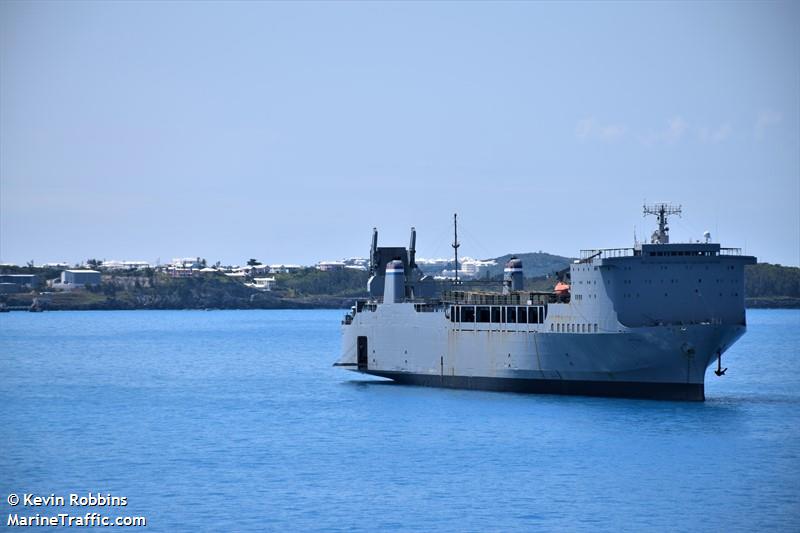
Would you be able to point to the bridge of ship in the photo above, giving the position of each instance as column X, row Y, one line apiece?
column 688, row 249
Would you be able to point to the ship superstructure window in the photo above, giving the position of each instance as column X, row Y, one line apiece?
column 467, row 313
column 511, row 315
column 495, row 314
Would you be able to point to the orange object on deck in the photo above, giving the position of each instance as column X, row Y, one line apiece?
column 561, row 287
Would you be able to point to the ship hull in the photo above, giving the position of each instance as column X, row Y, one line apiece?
column 659, row 362
column 627, row 389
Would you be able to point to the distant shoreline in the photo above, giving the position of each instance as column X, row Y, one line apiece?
column 756, row 303
column 766, row 287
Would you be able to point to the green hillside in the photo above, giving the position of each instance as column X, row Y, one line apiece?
column 534, row 264
column 769, row 285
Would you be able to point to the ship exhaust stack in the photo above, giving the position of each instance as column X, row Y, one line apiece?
column 512, row 276
column 373, row 252
column 412, row 249
column 394, row 288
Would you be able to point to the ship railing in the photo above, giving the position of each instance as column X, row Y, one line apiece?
column 485, row 298
column 365, row 305
column 606, row 252
column 429, row 307
column 730, row 251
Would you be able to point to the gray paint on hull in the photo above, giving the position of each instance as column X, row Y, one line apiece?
column 623, row 389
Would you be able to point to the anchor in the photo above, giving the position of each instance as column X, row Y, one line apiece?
column 719, row 371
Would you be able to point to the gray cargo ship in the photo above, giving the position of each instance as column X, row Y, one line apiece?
column 642, row 322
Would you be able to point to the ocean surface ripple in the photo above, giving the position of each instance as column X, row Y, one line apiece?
column 236, row 421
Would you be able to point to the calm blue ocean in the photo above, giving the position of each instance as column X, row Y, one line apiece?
column 236, row 421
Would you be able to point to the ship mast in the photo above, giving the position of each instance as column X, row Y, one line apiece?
column 455, row 244
column 661, row 210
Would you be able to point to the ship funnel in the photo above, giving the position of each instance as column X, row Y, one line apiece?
column 412, row 249
column 373, row 267
column 394, row 288
column 512, row 276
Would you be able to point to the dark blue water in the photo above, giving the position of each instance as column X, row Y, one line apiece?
column 236, row 421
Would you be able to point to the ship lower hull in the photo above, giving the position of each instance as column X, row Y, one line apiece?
column 659, row 362
column 615, row 389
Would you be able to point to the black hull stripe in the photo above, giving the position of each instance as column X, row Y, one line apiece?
column 617, row 389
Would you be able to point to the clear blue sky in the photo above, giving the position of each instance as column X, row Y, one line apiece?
column 286, row 131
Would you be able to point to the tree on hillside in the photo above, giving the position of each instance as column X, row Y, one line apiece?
column 252, row 262
column 764, row 280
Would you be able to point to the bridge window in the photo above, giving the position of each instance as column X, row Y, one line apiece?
column 511, row 315
column 483, row 314
column 496, row 314
column 522, row 313
column 467, row 313
column 452, row 313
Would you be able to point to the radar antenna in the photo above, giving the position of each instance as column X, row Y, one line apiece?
column 455, row 244
column 661, row 210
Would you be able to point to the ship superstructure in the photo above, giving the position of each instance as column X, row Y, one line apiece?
column 645, row 321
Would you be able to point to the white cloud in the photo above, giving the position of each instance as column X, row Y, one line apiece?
column 764, row 121
column 589, row 129
column 715, row 135
column 675, row 129
column 674, row 132
column 611, row 132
